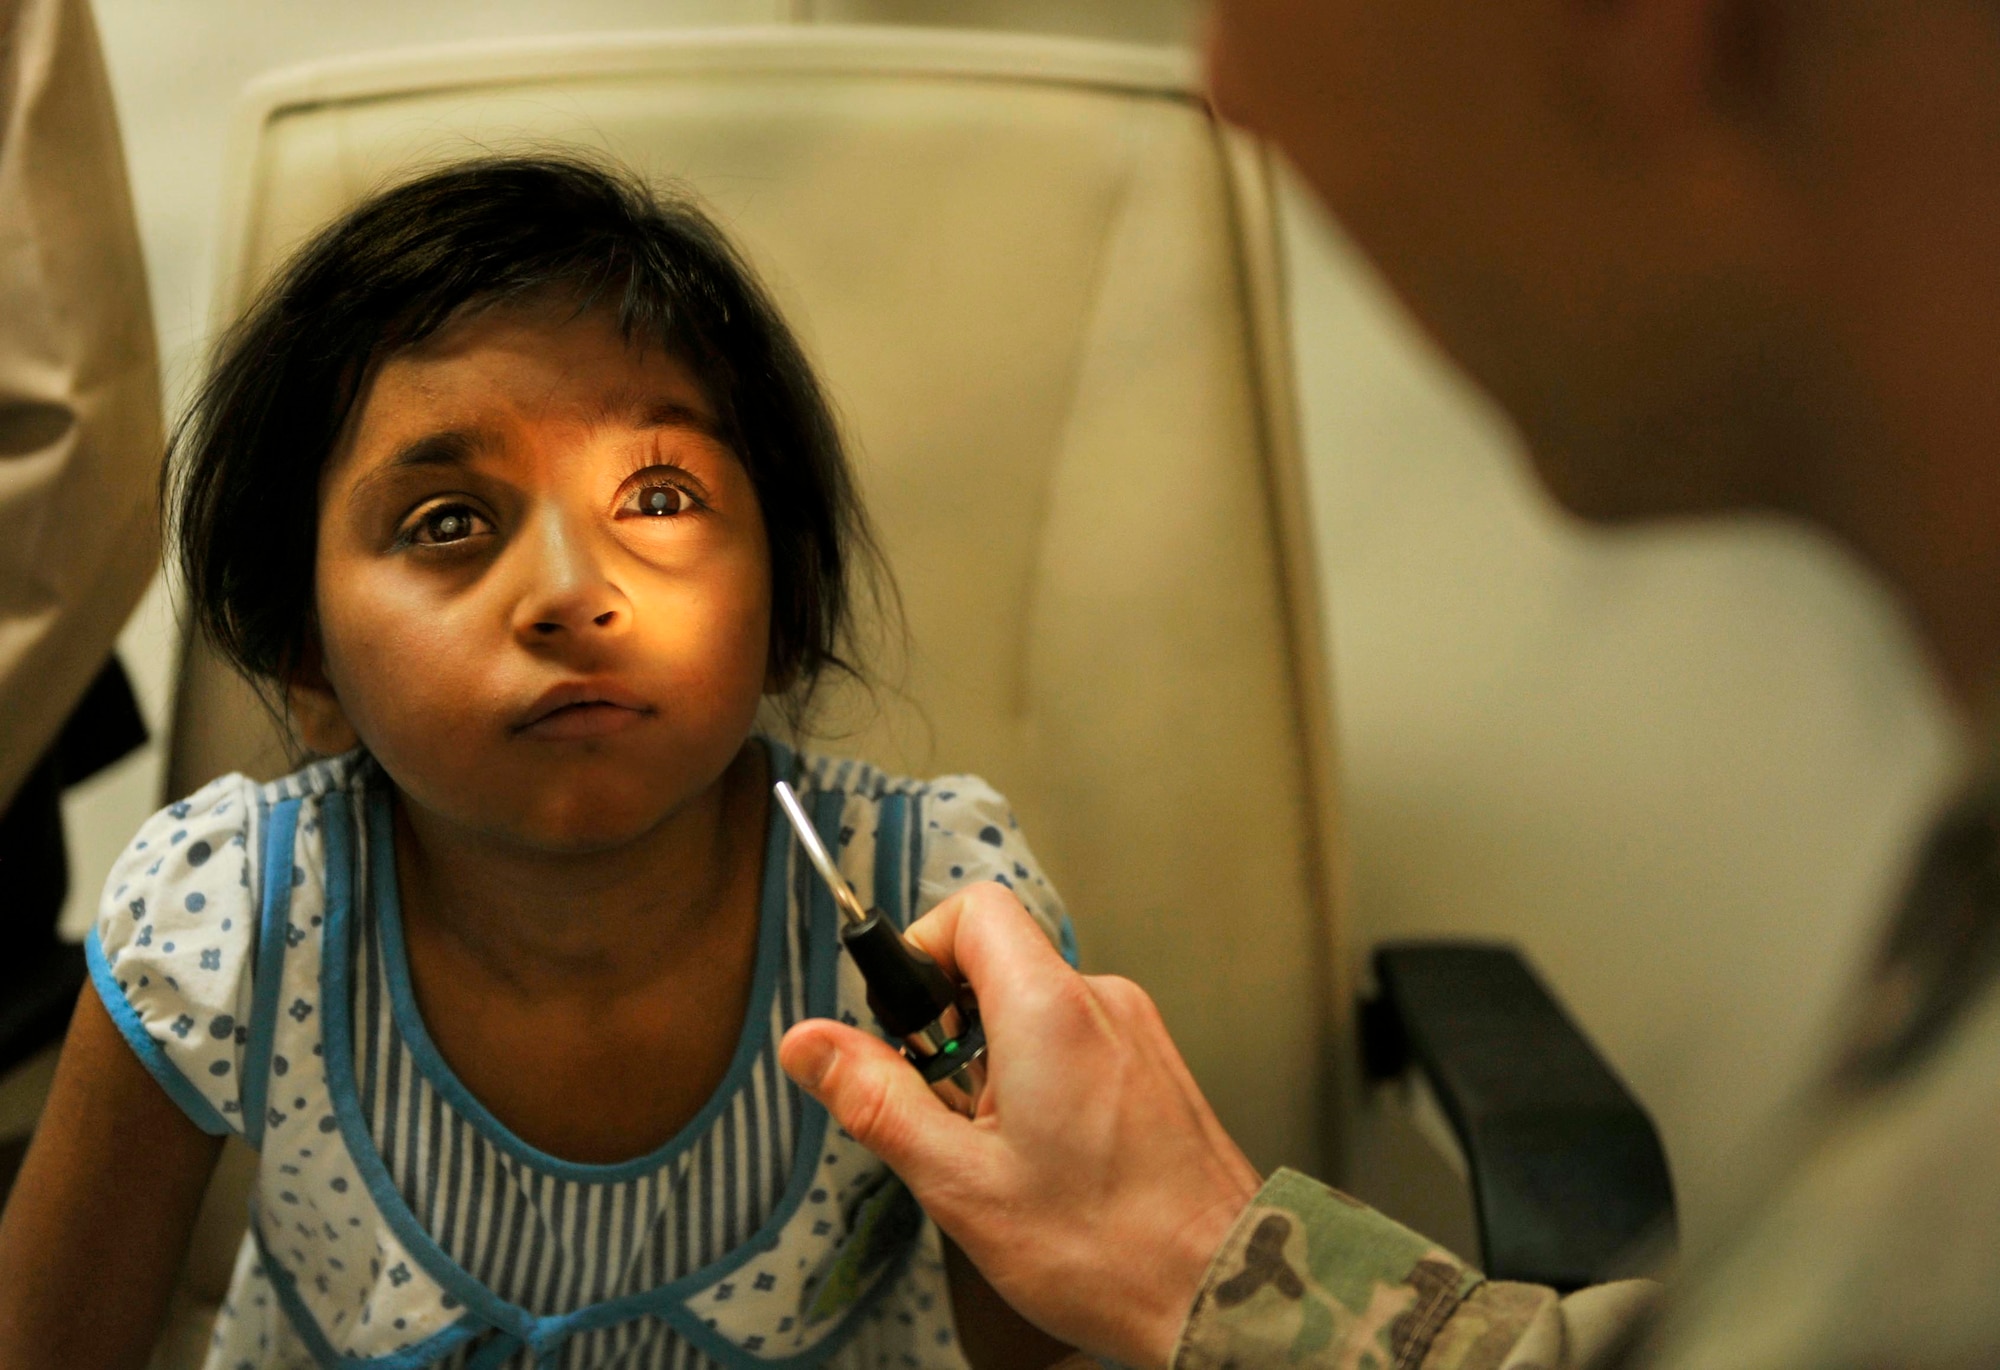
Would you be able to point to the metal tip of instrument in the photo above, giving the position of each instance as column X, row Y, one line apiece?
column 843, row 893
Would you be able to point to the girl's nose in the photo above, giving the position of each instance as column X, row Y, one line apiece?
column 568, row 591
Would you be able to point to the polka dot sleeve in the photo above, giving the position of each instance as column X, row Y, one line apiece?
column 970, row 834
column 172, row 951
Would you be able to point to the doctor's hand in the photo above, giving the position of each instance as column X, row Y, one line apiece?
column 1095, row 1183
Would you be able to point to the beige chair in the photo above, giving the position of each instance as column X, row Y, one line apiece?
column 1042, row 286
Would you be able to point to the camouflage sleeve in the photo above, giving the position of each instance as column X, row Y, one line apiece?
column 1310, row 1277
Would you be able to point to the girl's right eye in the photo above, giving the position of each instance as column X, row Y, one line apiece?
column 444, row 524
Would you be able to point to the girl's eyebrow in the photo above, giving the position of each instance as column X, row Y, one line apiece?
column 659, row 413
column 461, row 446
column 454, row 447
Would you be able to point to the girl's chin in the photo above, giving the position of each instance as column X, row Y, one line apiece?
column 596, row 819
column 561, row 838
column 575, row 800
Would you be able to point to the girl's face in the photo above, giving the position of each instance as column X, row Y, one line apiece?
column 543, row 585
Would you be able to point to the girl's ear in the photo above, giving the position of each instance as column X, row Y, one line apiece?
column 315, row 710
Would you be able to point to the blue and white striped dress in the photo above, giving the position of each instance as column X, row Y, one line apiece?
column 552, row 1237
column 397, row 1223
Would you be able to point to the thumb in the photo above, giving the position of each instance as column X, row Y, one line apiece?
column 873, row 1093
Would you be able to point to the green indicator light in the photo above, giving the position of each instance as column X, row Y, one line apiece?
column 951, row 1047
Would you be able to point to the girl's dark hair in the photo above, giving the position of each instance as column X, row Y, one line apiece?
column 244, row 464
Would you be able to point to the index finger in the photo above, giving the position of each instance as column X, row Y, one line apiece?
column 982, row 935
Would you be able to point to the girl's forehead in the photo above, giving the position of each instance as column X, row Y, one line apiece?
column 543, row 355
column 515, row 365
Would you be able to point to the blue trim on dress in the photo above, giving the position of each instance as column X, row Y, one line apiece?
column 822, row 952
column 821, row 948
column 337, row 1048
column 892, row 824
column 496, row 1353
column 517, row 1327
column 280, row 833
column 416, row 1356
column 151, row 1054
column 913, row 884
column 750, row 1038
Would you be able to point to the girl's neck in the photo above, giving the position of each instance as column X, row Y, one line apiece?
column 600, row 923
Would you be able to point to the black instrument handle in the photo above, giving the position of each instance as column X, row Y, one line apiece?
column 907, row 990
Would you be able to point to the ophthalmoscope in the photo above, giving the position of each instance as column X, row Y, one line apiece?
column 912, row 997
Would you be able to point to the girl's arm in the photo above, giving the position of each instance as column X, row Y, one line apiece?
column 98, row 1224
column 973, row 837
column 992, row 1335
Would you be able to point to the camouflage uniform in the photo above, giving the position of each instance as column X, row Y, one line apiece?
column 1876, row 1243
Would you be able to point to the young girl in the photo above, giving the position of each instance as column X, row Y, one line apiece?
column 519, row 490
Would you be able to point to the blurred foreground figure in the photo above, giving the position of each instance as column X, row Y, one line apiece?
column 79, row 383
column 79, row 470
column 1712, row 255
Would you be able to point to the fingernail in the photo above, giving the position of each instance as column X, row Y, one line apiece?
column 809, row 1062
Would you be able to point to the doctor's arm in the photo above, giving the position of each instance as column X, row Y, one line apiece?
column 99, row 1220
column 1101, row 1197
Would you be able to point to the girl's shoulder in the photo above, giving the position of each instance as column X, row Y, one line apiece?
column 174, row 948
column 960, row 831
column 202, row 858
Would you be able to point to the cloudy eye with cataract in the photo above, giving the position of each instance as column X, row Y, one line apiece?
column 661, row 501
column 449, row 523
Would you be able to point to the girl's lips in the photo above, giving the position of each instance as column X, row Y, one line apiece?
column 583, row 708
column 591, row 718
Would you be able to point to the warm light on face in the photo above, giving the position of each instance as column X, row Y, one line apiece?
column 543, row 582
